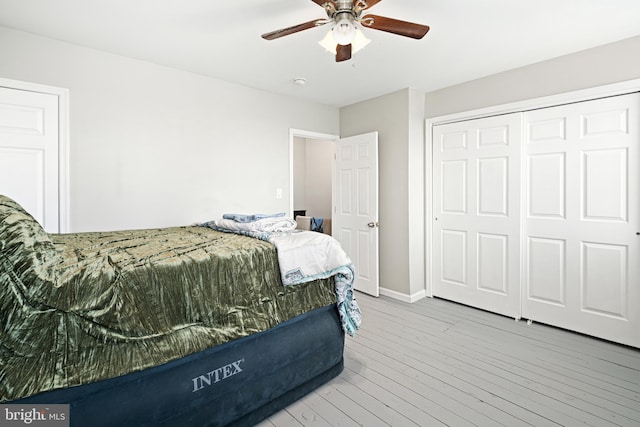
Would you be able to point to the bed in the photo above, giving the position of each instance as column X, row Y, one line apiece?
column 181, row 326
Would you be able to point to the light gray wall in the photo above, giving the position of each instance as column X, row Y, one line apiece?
column 312, row 172
column 398, row 118
column 319, row 169
column 152, row 146
column 416, row 192
column 299, row 173
column 598, row 66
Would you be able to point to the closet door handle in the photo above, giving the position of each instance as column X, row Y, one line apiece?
column 373, row 224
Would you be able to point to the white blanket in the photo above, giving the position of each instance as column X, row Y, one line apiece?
column 307, row 255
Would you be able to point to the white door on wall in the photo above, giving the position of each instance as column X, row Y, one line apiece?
column 581, row 248
column 476, row 209
column 355, row 216
column 29, row 145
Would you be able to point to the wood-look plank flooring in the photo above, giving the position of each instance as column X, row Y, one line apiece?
column 435, row 363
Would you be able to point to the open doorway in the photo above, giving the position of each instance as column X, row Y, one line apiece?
column 311, row 175
column 347, row 167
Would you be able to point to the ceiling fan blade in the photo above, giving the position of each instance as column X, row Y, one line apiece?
column 343, row 52
column 395, row 26
column 293, row 29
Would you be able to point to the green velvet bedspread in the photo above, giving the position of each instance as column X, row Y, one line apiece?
column 118, row 302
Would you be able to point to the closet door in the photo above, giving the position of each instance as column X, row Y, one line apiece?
column 29, row 144
column 581, row 217
column 476, row 209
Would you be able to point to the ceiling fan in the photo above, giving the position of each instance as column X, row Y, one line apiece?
column 345, row 17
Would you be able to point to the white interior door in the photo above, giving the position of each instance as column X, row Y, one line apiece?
column 29, row 145
column 355, row 216
column 476, row 209
column 581, row 248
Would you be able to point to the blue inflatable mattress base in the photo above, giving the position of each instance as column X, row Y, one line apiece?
column 237, row 383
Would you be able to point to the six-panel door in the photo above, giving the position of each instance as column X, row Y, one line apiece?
column 355, row 216
column 582, row 199
column 476, row 205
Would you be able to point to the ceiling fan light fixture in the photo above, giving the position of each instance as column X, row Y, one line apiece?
column 359, row 41
column 344, row 31
column 328, row 43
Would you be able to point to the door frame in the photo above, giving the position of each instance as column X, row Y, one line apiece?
column 63, row 142
column 622, row 88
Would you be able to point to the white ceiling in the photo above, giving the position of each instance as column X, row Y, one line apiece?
column 468, row 39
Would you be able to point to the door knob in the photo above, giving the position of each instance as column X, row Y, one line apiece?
column 373, row 224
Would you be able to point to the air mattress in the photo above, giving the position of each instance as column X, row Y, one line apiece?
column 237, row 383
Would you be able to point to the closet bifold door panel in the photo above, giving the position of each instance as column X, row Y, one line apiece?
column 581, row 217
column 476, row 213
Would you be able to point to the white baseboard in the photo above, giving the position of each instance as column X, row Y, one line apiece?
column 403, row 297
